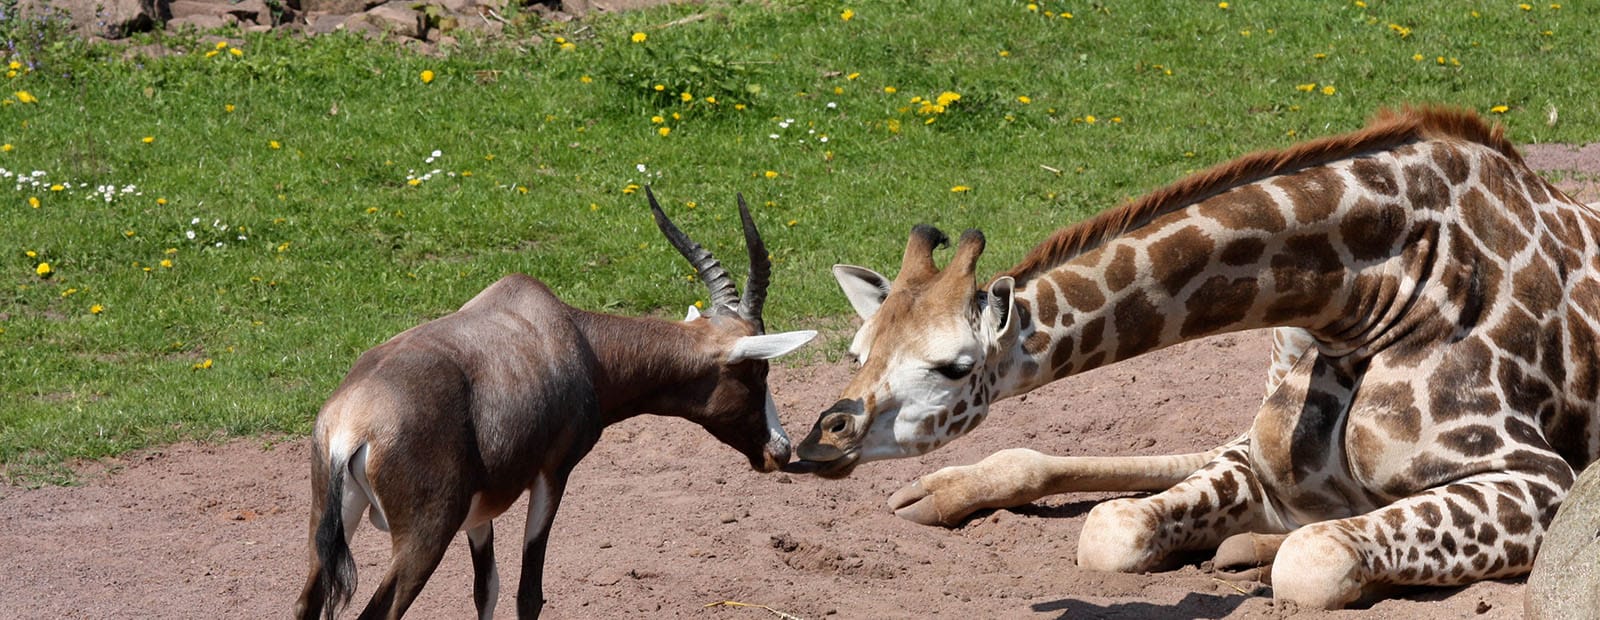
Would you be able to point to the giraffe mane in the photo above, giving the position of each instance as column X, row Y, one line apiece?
column 1388, row 129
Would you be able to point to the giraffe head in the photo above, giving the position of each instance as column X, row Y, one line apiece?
column 924, row 354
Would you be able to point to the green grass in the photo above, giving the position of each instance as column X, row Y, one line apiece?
column 541, row 147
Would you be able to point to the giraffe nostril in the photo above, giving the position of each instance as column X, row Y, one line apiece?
column 838, row 424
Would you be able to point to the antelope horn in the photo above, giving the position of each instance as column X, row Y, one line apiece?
column 724, row 297
column 755, row 285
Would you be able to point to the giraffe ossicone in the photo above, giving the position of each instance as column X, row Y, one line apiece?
column 1435, row 376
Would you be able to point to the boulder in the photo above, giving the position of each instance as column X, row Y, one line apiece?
column 399, row 21
column 1565, row 582
column 201, row 21
column 111, row 19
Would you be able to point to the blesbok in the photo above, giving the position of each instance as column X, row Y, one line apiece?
column 1436, row 373
column 444, row 426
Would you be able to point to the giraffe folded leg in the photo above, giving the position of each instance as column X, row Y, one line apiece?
column 1452, row 535
column 1248, row 556
column 1017, row 476
column 1137, row 535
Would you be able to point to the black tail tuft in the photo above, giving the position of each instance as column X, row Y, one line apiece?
column 338, row 577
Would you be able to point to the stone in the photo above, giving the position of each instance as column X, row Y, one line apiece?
column 201, row 22
column 335, row 7
column 1565, row 582
column 111, row 19
column 397, row 20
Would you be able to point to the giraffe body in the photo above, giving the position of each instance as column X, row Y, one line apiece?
column 1434, row 381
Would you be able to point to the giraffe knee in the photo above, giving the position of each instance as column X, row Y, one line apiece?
column 1317, row 569
column 1117, row 537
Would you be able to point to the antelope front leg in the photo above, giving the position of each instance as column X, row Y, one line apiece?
column 1137, row 535
column 542, row 504
column 485, row 575
column 1018, row 476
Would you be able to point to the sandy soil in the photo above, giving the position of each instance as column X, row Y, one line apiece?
column 662, row 521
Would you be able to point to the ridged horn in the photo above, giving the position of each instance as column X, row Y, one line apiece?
column 755, row 285
column 724, row 296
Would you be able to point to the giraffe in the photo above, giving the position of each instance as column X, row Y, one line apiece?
column 1433, row 384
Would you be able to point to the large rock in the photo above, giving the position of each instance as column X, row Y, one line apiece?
column 1565, row 583
column 112, row 19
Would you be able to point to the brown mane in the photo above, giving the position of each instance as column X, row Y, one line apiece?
column 1387, row 130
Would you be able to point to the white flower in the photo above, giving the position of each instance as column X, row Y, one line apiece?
column 189, row 234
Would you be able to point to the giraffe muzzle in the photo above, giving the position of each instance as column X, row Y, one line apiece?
column 831, row 449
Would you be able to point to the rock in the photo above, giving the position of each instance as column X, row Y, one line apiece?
column 112, row 19
column 335, row 7
column 1565, row 582
column 201, row 22
column 581, row 8
column 397, row 20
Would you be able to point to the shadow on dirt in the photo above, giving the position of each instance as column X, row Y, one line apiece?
column 1194, row 605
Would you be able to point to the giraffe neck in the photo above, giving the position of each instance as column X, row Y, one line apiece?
column 1338, row 249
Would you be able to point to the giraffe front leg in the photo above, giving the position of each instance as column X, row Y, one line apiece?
column 1018, row 476
column 1136, row 535
column 1451, row 535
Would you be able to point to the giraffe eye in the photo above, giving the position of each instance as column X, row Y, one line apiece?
column 954, row 371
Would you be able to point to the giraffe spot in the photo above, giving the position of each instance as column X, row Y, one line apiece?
column 1122, row 270
column 1513, row 520
column 1030, row 368
column 1218, row 303
column 1535, row 285
column 1429, row 513
column 1176, row 259
column 1534, row 186
column 1139, row 325
column 1061, row 357
column 1459, row 517
column 1426, row 537
column 1080, row 292
column 1488, row 222
column 1516, row 337
column 1314, row 193
column 1475, row 440
column 1427, row 471
column 1247, row 207
column 1305, row 276
column 1518, row 556
column 1376, row 176
column 1242, row 251
column 1470, row 494
column 1227, row 488
column 1453, row 163
column 1447, row 543
column 1036, row 343
column 1425, row 189
column 959, row 409
column 1092, row 335
column 1093, row 361
column 1046, row 300
column 1568, row 431
column 1392, row 408
column 1524, row 392
column 1373, row 230
column 1465, row 382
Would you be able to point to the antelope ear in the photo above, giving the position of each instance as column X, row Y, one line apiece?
column 1000, row 306
column 694, row 313
column 768, row 346
column 864, row 287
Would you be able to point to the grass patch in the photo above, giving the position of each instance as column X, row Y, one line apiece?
column 226, row 227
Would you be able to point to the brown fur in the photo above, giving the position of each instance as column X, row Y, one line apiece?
column 1387, row 130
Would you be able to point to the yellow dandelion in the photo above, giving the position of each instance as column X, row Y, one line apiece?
column 414, row 182
column 1222, row 5
column 568, row 46
column 227, row 107
column 1306, row 88
column 31, row 254
column 170, row 251
column 202, row 365
column 660, row 87
column 166, row 263
column 959, row 189
column 685, row 97
column 1525, row 6
column 212, row 53
column 657, row 119
column 791, row 223
column 1327, row 90
column 26, row 97
column 1417, row 57
column 1025, row 99
column 663, row 131
column 1500, row 109
column 222, row 45
column 235, row 51
column 57, row 187
column 1005, row 53
column 639, row 37
column 149, row 140
column 273, row 144
column 738, row 106
column 711, row 100
column 853, row 76
column 371, row 210
column 847, row 15
column 96, row 309
column 7, row 147
column 43, row 270
column 1089, row 118
column 427, row 76
column 161, row 201
column 771, row 174
column 586, row 79
column 33, row 201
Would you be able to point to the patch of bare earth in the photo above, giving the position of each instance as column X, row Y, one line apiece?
column 661, row 521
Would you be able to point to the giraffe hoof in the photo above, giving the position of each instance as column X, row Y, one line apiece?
column 914, row 503
column 1247, row 557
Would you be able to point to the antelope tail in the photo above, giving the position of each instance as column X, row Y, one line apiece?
column 338, row 575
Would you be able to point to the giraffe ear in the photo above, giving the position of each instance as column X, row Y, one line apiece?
column 865, row 288
column 1000, row 306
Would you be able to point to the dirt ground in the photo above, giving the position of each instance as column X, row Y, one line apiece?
column 662, row 521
